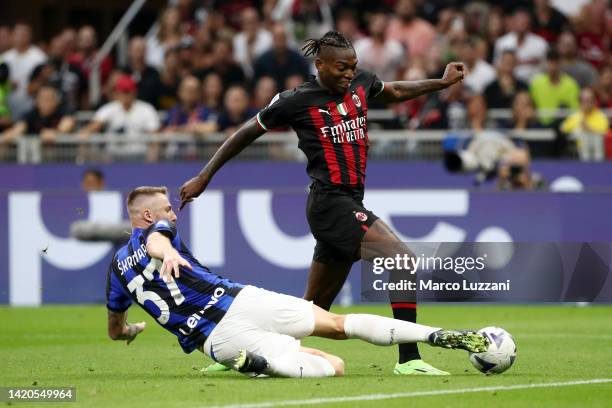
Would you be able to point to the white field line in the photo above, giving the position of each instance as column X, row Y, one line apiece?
column 565, row 336
column 376, row 397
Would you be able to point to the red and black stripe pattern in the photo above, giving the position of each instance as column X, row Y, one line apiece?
column 331, row 127
column 344, row 150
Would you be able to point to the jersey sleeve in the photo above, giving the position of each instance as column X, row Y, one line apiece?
column 164, row 227
column 278, row 113
column 117, row 300
column 376, row 86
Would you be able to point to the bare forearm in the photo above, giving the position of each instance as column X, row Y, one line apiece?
column 400, row 91
column 118, row 328
column 92, row 127
column 231, row 147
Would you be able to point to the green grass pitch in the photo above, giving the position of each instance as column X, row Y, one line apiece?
column 68, row 346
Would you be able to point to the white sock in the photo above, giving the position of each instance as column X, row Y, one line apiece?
column 384, row 331
column 297, row 364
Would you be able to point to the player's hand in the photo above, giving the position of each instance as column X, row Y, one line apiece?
column 48, row 135
column 133, row 331
column 171, row 265
column 192, row 189
column 454, row 72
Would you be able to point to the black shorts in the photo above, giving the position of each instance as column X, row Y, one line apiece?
column 338, row 221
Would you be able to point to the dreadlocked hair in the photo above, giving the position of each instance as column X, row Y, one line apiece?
column 334, row 39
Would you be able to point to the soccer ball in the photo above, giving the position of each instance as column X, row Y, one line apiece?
column 501, row 353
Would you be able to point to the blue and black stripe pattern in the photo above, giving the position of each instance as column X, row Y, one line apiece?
column 190, row 306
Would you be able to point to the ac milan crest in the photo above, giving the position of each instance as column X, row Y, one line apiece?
column 356, row 100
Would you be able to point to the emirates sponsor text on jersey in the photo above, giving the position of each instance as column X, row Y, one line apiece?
column 346, row 131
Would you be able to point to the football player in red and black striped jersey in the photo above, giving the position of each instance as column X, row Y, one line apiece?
column 329, row 115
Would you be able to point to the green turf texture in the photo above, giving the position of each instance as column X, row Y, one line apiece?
column 68, row 346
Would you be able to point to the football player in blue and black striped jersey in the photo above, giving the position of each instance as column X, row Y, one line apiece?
column 244, row 327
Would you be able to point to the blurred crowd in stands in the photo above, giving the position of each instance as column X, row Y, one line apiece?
column 211, row 65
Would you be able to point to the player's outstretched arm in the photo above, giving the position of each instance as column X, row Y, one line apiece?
column 230, row 148
column 120, row 329
column 160, row 247
column 399, row 91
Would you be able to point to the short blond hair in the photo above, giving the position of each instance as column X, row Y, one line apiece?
column 144, row 190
